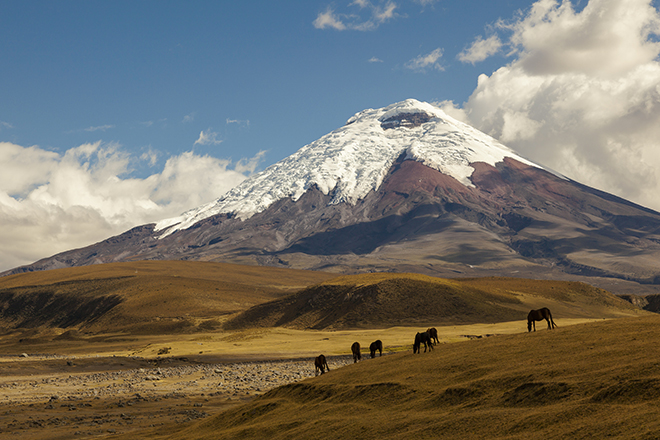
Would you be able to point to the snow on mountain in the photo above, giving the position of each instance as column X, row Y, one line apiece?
column 354, row 159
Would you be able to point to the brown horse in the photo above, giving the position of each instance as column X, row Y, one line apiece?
column 422, row 338
column 320, row 364
column 355, row 348
column 376, row 345
column 433, row 333
column 539, row 315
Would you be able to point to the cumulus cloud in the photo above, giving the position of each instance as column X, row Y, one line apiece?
column 424, row 62
column 480, row 49
column 368, row 16
column 51, row 202
column 581, row 94
column 375, row 60
column 328, row 19
column 208, row 137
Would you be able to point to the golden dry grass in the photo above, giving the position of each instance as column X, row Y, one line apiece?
column 387, row 299
column 595, row 380
column 588, row 376
column 153, row 296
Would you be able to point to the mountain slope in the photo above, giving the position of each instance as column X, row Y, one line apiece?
column 406, row 188
column 353, row 160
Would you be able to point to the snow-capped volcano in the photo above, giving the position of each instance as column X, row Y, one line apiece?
column 353, row 160
column 404, row 188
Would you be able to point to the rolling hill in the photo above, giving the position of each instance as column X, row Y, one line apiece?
column 142, row 297
column 387, row 299
column 598, row 380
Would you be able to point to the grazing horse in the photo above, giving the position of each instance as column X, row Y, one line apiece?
column 320, row 364
column 539, row 315
column 422, row 338
column 355, row 348
column 376, row 345
column 433, row 333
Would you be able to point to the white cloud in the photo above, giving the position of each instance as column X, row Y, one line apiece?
column 5, row 125
column 239, row 122
column 208, row 137
column 376, row 14
column 328, row 19
column 98, row 128
column 52, row 202
column 582, row 94
column 425, row 3
column 607, row 38
column 188, row 118
column 375, row 60
column 480, row 49
column 423, row 62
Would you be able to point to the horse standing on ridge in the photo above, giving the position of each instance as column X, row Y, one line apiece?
column 539, row 315
column 422, row 338
column 320, row 364
column 355, row 348
column 433, row 333
column 376, row 345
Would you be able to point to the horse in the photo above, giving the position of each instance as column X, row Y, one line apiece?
column 422, row 338
column 538, row 315
column 433, row 333
column 320, row 364
column 376, row 345
column 355, row 348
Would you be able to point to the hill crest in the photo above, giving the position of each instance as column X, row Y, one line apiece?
column 387, row 300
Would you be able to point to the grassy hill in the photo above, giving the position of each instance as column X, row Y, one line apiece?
column 387, row 299
column 142, row 297
column 598, row 380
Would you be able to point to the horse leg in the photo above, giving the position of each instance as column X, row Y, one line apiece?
column 548, row 321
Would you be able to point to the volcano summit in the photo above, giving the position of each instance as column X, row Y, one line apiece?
column 404, row 188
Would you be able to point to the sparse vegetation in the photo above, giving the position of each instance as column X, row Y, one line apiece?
column 596, row 378
column 388, row 299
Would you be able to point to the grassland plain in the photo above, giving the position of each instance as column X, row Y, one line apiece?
column 156, row 362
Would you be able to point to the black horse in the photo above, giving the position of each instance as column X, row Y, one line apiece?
column 539, row 315
column 376, row 345
column 422, row 338
column 433, row 333
column 320, row 364
column 355, row 348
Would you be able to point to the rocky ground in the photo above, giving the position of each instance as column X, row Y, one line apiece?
column 76, row 397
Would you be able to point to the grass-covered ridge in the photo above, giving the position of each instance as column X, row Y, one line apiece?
column 592, row 380
column 389, row 299
column 143, row 297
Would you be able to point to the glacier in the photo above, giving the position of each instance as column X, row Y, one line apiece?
column 353, row 160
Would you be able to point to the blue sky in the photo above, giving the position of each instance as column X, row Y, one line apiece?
column 152, row 75
column 120, row 113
